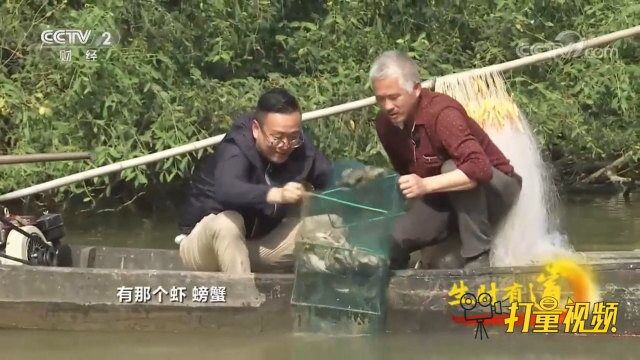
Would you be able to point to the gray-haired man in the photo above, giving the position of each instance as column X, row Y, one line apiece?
column 451, row 170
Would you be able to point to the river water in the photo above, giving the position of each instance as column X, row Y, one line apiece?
column 590, row 222
column 27, row 345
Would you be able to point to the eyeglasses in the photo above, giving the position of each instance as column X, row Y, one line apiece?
column 278, row 142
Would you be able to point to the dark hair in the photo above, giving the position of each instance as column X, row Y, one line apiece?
column 276, row 100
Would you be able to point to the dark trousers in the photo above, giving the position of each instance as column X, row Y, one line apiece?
column 474, row 214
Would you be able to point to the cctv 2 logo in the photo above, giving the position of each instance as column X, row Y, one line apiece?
column 67, row 37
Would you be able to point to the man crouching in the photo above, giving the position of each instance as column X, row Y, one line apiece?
column 451, row 170
column 236, row 210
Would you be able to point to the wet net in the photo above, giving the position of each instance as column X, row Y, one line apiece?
column 342, row 258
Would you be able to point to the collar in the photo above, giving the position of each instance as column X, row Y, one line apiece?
column 419, row 117
column 425, row 98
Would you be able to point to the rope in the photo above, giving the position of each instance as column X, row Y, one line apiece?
column 346, row 203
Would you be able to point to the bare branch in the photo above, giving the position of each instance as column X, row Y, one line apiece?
column 609, row 170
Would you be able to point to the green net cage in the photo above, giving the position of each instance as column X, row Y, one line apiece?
column 342, row 258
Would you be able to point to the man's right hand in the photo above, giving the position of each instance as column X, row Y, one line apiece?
column 289, row 194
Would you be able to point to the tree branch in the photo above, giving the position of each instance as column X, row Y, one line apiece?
column 609, row 171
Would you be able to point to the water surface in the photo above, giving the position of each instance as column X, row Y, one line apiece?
column 591, row 223
column 59, row 345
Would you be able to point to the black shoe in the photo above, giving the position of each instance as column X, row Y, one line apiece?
column 477, row 262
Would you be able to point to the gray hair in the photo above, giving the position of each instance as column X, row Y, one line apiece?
column 395, row 64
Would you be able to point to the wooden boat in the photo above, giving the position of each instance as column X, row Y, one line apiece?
column 86, row 297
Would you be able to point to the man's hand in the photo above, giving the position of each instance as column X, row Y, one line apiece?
column 292, row 193
column 289, row 194
column 413, row 186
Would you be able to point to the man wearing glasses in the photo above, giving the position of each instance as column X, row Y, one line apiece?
column 236, row 209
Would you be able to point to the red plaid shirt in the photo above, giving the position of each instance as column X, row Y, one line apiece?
column 441, row 130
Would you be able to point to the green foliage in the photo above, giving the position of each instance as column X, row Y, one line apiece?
column 184, row 68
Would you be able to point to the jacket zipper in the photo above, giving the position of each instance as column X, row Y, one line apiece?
column 253, row 230
column 266, row 178
column 275, row 206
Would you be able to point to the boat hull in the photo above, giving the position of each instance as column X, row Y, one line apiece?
column 87, row 297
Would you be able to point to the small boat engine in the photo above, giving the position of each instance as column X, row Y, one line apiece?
column 25, row 240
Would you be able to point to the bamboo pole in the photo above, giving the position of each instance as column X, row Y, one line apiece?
column 31, row 158
column 333, row 110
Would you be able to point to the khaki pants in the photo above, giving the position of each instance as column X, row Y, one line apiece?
column 218, row 243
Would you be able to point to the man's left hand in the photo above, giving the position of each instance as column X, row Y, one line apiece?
column 413, row 186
